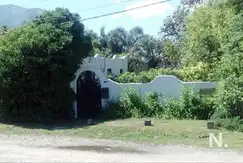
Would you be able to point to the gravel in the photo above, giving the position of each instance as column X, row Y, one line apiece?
column 44, row 148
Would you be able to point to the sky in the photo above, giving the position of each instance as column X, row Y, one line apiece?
column 149, row 18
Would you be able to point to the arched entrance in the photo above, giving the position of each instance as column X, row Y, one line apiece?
column 88, row 95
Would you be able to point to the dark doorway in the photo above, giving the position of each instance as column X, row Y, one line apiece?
column 88, row 95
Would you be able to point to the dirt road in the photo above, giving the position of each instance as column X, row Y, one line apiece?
column 74, row 149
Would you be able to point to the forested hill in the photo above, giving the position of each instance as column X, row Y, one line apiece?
column 12, row 16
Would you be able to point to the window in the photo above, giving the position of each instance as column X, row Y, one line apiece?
column 121, row 71
column 109, row 72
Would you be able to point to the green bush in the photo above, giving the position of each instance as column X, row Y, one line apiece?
column 218, row 114
column 229, row 97
column 190, row 106
column 144, row 76
column 132, row 104
column 173, row 109
column 199, row 72
column 113, row 111
column 190, row 103
column 233, row 124
column 240, row 128
column 154, row 105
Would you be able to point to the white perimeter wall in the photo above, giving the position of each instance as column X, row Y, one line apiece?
column 166, row 84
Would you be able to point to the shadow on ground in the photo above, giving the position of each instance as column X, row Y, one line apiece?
column 59, row 125
column 102, row 149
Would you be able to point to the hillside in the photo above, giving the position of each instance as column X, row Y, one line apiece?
column 11, row 15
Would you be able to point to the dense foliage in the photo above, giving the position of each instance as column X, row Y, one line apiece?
column 199, row 72
column 155, row 105
column 203, row 41
column 37, row 63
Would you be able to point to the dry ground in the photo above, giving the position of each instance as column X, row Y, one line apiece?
column 117, row 141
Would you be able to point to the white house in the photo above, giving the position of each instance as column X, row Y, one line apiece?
column 116, row 65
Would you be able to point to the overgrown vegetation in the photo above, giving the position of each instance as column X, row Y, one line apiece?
column 201, row 41
column 208, row 39
column 37, row 63
column 199, row 72
column 154, row 105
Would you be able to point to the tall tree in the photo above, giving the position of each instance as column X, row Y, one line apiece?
column 149, row 48
column 134, row 35
column 174, row 26
column 103, row 39
column 36, row 68
column 117, row 40
column 206, row 31
column 170, row 55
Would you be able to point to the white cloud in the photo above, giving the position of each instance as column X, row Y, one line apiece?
column 154, row 10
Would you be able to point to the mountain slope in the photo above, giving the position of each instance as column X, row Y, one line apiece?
column 12, row 16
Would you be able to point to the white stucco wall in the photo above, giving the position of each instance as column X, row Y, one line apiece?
column 168, row 85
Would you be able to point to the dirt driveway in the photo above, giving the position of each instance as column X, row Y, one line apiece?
column 73, row 149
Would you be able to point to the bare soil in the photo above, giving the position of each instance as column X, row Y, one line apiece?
column 46, row 148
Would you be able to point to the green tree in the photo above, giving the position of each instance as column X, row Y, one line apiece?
column 236, row 4
column 3, row 30
column 117, row 40
column 149, row 48
column 229, row 96
column 174, row 26
column 171, row 54
column 37, row 67
column 231, row 62
column 103, row 40
column 134, row 35
column 206, row 32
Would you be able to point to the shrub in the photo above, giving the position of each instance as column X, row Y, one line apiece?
column 190, row 106
column 240, row 128
column 195, row 106
column 229, row 97
column 230, row 123
column 144, row 76
column 127, row 77
column 208, row 107
column 154, row 105
column 199, row 72
column 132, row 104
column 218, row 114
column 173, row 109
column 113, row 111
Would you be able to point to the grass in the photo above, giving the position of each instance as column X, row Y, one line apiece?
column 183, row 132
